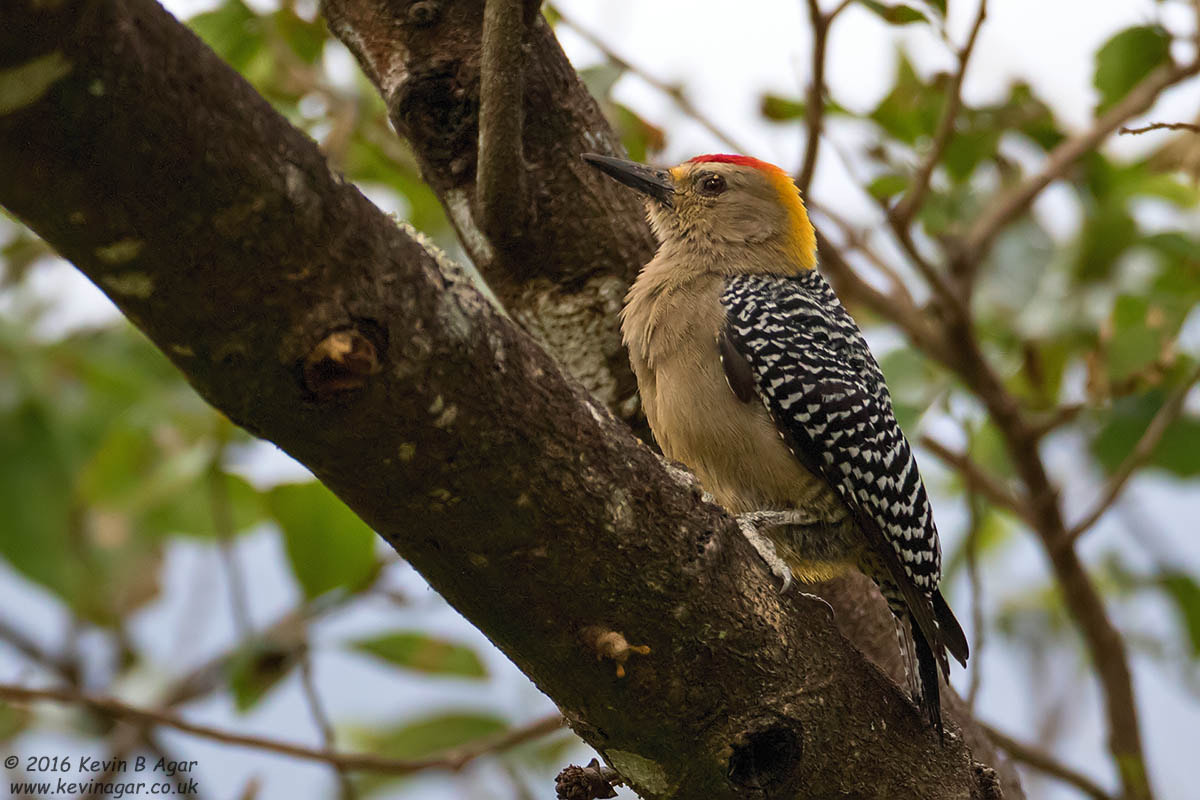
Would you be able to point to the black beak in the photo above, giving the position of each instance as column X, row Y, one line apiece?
column 656, row 183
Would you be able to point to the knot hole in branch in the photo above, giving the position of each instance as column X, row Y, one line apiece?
column 766, row 759
column 423, row 13
column 345, row 359
column 438, row 109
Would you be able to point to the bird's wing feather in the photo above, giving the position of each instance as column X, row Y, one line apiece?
column 826, row 395
column 823, row 387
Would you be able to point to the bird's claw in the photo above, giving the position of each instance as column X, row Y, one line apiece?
column 748, row 523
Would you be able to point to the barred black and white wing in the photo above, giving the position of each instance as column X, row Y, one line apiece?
column 818, row 380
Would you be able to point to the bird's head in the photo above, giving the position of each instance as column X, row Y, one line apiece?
column 722, row 205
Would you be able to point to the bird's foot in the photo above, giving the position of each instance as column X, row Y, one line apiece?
column 749, row 525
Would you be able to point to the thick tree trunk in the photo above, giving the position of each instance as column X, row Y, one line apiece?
column 564, row 272
column 309, row 318
column 424, row 57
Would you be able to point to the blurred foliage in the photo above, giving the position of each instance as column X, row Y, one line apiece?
column 109, row 460
column 421, row 652
column 1092, row 318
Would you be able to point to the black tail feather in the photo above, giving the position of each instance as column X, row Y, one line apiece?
column 952, row 633
column 927, row 667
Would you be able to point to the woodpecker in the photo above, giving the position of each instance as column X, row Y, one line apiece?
column 753, row 375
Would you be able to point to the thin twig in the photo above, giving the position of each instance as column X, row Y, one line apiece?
column 1104, row 642
column 674, row 92
column 1045, row 763
column 1161, row 126
column 222, row 513
column 324, row 726
column 856, row 239
column 978, row 479
column 1167, row 414
column 33, row 652
column 902, row 213
column 974, row 532
column 954, row 300
column 918, row 327
column 1016, row 200
column 500, row 172
column 814, row 113
column 450, row 760
column 1053, row 420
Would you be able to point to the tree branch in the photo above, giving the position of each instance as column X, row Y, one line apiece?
column 920, row 329
column 983, row 481
column 1161, row 126
column 365, row 762
column 1139, row 455
column 971, row 251
column 321, row 719
column 222, row 234
column 674, row 92
column 565, row 281
column 500, row 177
column 902, row 213
column 814, row 113
column 1044, row 762
column 1103, row 640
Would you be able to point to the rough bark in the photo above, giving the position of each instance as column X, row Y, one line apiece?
column 425, row 55
column 308, row 317
column 563, row 276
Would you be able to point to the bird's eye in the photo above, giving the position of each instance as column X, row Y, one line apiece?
column 711, row 185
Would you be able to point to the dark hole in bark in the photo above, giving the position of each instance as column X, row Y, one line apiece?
column 375, row 332
column 765, row 759
column 424, row 13
column 438, row 112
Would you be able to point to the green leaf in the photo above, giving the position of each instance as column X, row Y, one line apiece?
column 1175, row 246
column 996, row 529
column 257, row 668
column 35, row 492
column 12, row 720
column 431, row 735
column 233, row 30
column 1167, row 187
column 913, row 383
column 424, row 653
column 1140, row 330
column 895, row 14
column 327, row 545
column 307, row 39
column 887, row 185
column 1027, row 113
column 987, row 447
column 1126, row 59
column 967, row 150
column 1185, row 594
column 1176, row 453
column 782, row 109
column 192, row 512
column 640, row 138
column 947, row 210
column 600, row 79
column 911, row 110
column 1104, row 237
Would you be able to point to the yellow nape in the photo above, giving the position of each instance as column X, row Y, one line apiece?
column 801, row 242
column 799, row 238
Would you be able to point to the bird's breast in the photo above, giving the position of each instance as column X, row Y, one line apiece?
column 733, row 446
